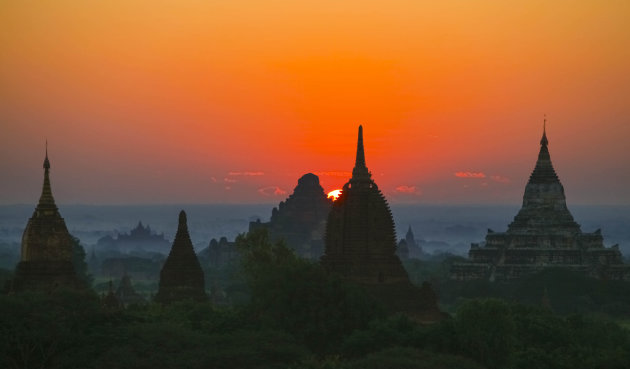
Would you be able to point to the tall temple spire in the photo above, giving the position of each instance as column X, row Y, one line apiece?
column 544, row 172
column 360, row 169
column 46, row 199
column 543, row 140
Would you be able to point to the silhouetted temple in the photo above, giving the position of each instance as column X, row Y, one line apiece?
column 181, row 277
column 219, row 253
column 139, row 238
column 542, row 235
column 126, row 294
column 47, row 247
column 361, row 245
column 301, row 219
column 408, row 247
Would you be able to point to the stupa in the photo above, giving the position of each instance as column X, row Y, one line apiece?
column 181, row 277
column 542, row 235
column 47, row 247
column 361, row 246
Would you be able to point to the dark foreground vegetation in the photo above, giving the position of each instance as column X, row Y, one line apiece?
column 293, row 315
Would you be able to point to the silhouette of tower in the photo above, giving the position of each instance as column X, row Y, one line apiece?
column 181, row 277
column 360, row 234
column 46, row 254
column 361, row 245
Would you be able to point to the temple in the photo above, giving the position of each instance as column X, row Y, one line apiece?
column 139, row 238
column 361, row 246
column 300, row 220
column 181, row 277
column 409, row 248
column 47, row 247
column 542, row 235
column 126, row 294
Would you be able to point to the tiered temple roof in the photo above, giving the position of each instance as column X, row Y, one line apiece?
column 301, row 219
column 361, row 245
column 181, row 277
column 46, row 258
column 542, row 235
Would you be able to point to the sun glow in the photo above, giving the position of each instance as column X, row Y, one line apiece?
column 334, row 194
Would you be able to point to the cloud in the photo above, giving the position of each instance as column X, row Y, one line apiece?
column 272, row 191
column 470, row 175
column 250, row 174
column 229, row 180
column 334, row 173
column 214, row 180
column 500, row 179
column 410, row 190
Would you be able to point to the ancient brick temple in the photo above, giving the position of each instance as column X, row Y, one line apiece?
column 361, row 245
column 542, row 235
column 301, row 219
column 181, row 277
column 46, row 259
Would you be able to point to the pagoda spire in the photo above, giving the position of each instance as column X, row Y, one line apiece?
column 46, row 199
column 360, row 169
column 544, row 172
column 543, row 140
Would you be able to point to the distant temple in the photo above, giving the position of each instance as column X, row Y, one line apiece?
column 542, row 235
column 219, row 253
column 126, row 294
column 361, row 245
column 181, row 277
column 301, row 219
column 408, row 247
column 47, row 247
column 140, row 238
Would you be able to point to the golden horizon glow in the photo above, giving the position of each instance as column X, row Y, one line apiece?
column 334, row 194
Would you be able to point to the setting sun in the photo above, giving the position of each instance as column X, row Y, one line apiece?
column 334, row 194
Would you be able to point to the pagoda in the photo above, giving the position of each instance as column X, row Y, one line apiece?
column 542, row 235
column 126, row 294
column 361, row 246
column 181, row 277
column 47, row 247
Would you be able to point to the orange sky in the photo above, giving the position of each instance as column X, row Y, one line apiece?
column 232, row 101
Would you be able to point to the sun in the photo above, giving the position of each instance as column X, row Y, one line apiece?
column 334, row 194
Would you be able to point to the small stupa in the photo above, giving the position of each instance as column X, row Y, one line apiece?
column 181, row 277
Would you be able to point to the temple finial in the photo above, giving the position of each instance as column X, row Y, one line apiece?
column 46, row 199
column 360, row 160
column 46, row 162
column 543, row 140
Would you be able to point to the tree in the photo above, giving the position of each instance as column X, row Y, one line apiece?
column 298, row 296
column 78, row 260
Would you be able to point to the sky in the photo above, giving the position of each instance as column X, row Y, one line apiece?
column 208, row 101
